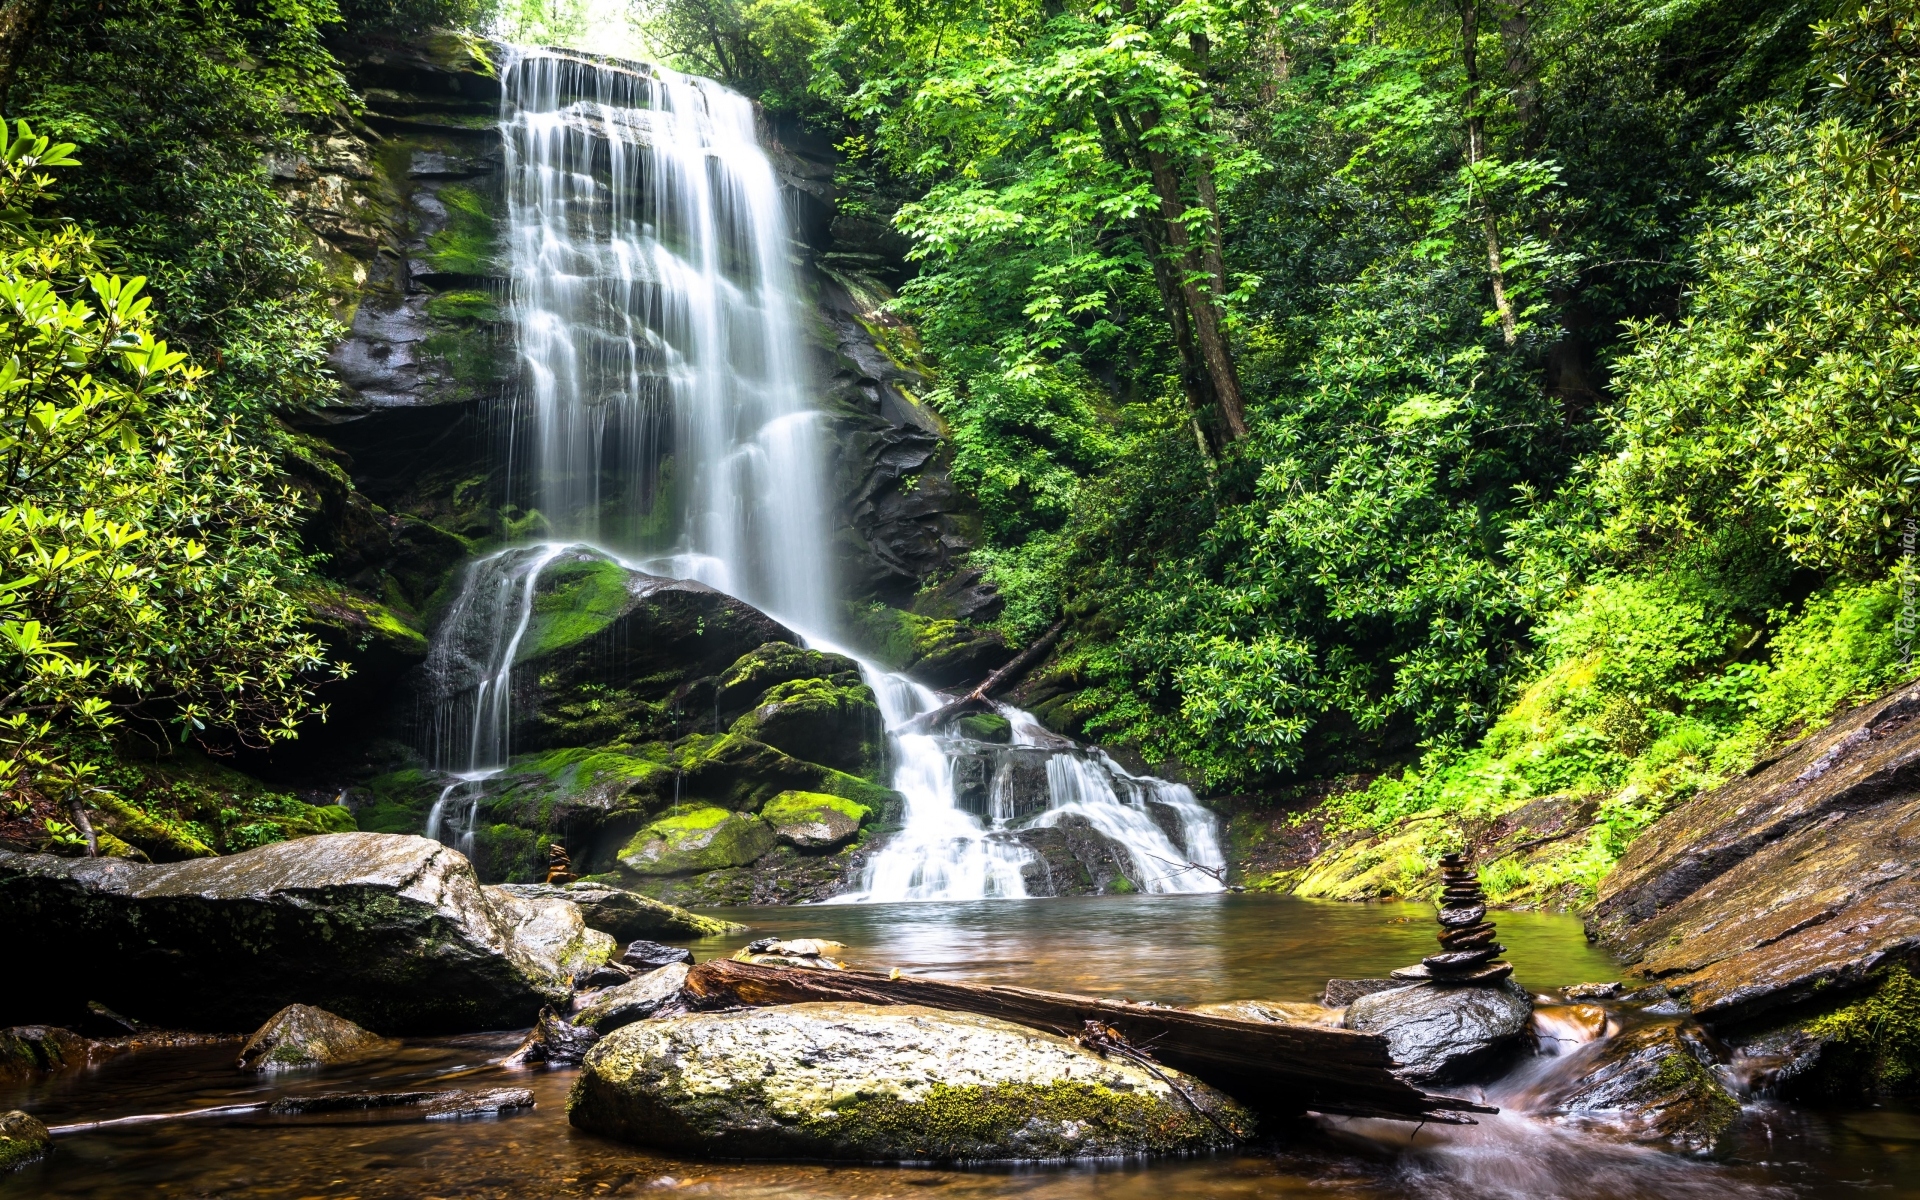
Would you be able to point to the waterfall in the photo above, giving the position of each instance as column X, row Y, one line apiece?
column 665, row 419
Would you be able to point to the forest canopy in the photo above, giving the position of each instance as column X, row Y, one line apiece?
column 1506, row 397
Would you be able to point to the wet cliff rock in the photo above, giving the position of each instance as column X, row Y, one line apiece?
column 1797, row 883
column 1656, row 1084
column 395, row 933
column 854, row 1082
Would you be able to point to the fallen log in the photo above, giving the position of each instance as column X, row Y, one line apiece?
column 927, row 722
column 1274, row 1067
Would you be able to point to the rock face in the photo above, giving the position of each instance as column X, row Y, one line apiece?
column 1075, row 859
column 1802, row 877
column 862, row 1083
column 1438, row 1031
column 608, row 1010
column 1652, row 1084
column 22, row 1140
column 393, row 932
column 300, row 1035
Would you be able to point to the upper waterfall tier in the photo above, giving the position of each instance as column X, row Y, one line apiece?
column 664, row 397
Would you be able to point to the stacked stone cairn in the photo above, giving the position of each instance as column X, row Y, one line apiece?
column 1468, row 953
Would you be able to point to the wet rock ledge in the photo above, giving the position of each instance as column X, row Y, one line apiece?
column 391, row 931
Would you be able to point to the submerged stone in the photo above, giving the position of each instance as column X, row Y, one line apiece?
column 648, row 956
column 300, row 1035
column 1653, row 1084
column 23, row 1140
column 886, row 1084
column 1438, row 1031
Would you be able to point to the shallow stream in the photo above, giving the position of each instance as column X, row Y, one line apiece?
column 1172, row 949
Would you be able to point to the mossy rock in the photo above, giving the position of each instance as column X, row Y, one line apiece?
column 23, row 1140
column 985, row 727
column 835, row 722
column 695, row 838
column 814, row 820
column 738, row 772
column 942, row 653
column 742, row 684
column 862, row 1083
column 188, row 806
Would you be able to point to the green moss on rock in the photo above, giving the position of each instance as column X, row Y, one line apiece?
column 22, row 1140
column 693, row 838
column 1873, row 1044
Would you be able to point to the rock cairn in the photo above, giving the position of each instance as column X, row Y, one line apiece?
column 559, row 866
column 1468, row 953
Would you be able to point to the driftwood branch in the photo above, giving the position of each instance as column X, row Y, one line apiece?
column 927, row 722
column 1278, row 1068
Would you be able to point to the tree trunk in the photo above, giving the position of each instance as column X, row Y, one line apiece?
column 19, row 24
column 1477, row 150
column 1208, row 331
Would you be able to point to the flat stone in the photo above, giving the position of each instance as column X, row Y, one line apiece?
column 651, row 956
column 1469, row 915
column 431, row 1105
column 1493, row 972
column 886, row 1084
column 636, row 1001
column 1460, row 960
column 1439, row 1031
column 1341, row 992
column 300, row 1035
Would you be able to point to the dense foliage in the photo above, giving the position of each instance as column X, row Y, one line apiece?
column 1572, row 346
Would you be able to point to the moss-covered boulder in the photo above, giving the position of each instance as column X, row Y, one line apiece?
column 814, row 820
column 23, row 1140
column 27, row 1050
column 834, row 722
column 985, row 727
column 695, row 838
column 872, row 1084
column 607, row 648
column 394, row 933
column 742, row 685
column 301, row 1035
column 1654, row 1084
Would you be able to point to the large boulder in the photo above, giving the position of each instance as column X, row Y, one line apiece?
column 301, row 1035
column 393, row 932
column 1441, row 1031
column 876, row 1084
column 835, row 722
column 1654, row 1084
column 814, row 820
column 691, row 839
column 1799, row 879
column 27, row 1050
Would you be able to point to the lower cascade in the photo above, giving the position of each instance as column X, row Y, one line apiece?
column 664, row 425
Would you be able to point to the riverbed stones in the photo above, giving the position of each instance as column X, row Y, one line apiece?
column 23, row 1140
column 301, row 1035
column 1654, row 1084
column 886, row 1084
column 608, row 1010
column 812, row 953
column 391, row 931
column 1440, row 1031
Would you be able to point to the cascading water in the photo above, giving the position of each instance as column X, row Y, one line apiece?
column 665, row 419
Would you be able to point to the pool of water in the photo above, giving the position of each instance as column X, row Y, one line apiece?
column 1171, row 949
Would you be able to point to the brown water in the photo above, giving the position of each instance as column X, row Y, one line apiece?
column 1172, row 949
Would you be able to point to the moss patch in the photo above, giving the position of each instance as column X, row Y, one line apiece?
column 576, row 599
column 696, row 838
column 469, row 245
column 1873, row 1044
column 790, row 807
column 1054, row 1120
